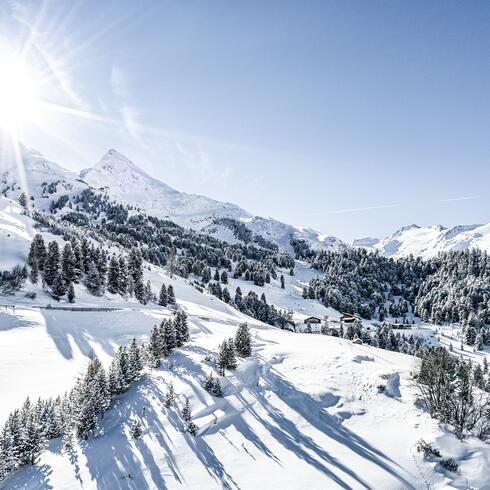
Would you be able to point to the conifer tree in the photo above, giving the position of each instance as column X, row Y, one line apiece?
column 169, row 395
column 231, row 359
column 186, row 411
column 34, row 273
column 169, row 334
column 181, row 329
column 171, row 295
column 163, row 298
column 71, row 293
column 123, row 276
column 24, row 201
column 209, row 383
column 134, row 360
column 224, row 277
column 58, row 286
column 282, row 282
column 52, row 264
column 243, row 341
column 93, row 280
column 217, row 390
column 155, row 348
column 68, row 264
column 135, row 429
column 113, row 285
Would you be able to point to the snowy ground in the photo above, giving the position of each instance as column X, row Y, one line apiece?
column 305, row 411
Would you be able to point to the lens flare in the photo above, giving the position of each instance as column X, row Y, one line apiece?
column 17, row 94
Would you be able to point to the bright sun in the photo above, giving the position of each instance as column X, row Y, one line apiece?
column 17, row 94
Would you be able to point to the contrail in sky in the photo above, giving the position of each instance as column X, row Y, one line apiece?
column 394, row 205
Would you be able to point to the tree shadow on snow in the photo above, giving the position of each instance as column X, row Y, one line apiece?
column 119, row 459
column 287, row 433
column 32, row 478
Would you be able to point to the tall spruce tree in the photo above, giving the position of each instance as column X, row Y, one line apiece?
column 243, row 341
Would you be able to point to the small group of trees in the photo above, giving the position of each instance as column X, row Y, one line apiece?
column 240, row 345
column 166, row 296
column 446, row 385
column 171, row 333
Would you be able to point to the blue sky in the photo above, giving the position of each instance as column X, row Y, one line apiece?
column 353, row 118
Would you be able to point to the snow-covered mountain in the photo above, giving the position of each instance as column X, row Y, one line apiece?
column 427, row 242
column 125, row 182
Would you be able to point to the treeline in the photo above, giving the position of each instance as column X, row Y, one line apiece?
column 78, row 412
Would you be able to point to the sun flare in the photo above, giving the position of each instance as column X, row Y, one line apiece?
column 18, row 103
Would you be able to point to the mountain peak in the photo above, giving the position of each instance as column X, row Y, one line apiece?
column 115, row 170
column 114, row 161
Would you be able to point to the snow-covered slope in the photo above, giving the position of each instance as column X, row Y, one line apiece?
column 304, row 411
column 25, row 169
column 427, row 242
column 124, row 181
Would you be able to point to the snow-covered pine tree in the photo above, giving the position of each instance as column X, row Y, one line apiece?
column 24, row 201
column 282, row 282
column 168, row 331
column 134, row 360
column 135, row 430
column 224, row 277
column 68, row 264
column 93, row 281
column 243, row 341
column 171, row 295
column 123, row 276
column 230, row 354
column 71, row 293
column 217, row 390
column 34, row 272
column 209, row 382
column 181, row 329
column 169, row 395
column 186, row 411
column 113, row 285
column 470, row 335
column 163, row 298
column 58, row 286
column 155, row 348
column 52, row 263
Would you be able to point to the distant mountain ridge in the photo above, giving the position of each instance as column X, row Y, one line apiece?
column 427, row 242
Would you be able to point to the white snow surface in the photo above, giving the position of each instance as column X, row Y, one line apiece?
column 305, row 411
